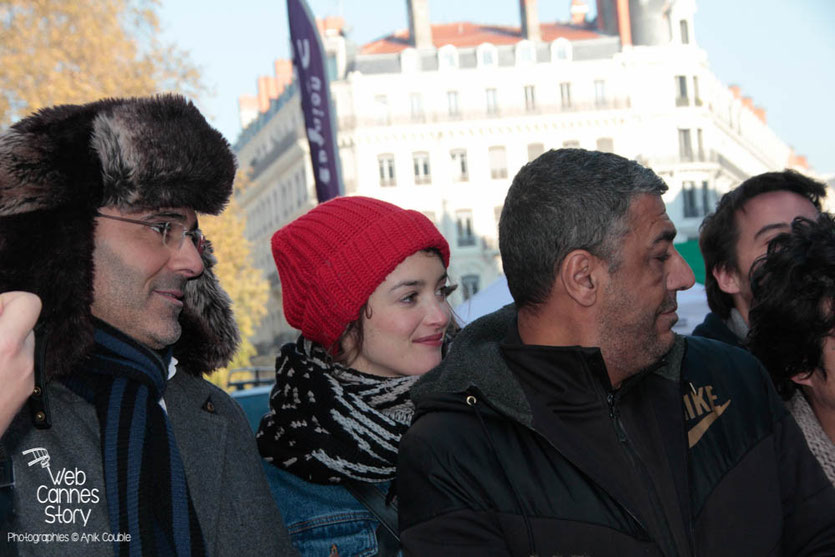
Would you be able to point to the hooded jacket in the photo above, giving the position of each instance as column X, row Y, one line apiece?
column 527, row 450
column 57, row 168
column 714, row 327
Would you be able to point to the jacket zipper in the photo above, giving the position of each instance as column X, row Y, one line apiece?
column 612, row 399
column 473, row 400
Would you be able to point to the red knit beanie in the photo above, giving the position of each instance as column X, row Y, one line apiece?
column 331, row 260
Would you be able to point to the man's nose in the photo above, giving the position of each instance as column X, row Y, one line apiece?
column 681, row 276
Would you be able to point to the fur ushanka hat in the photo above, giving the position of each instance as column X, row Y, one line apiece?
column 60, row 165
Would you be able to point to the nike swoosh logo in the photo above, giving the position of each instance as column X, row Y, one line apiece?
column 700, row 428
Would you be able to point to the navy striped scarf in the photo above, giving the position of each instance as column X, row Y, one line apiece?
column 144, row 478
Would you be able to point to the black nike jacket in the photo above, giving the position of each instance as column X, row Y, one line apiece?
column 527, row 450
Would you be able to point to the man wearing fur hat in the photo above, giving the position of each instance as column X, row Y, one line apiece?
column 123, row 448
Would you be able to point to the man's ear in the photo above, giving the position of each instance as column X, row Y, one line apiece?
column 804, row 378
column 578, row 274
column 727, row 279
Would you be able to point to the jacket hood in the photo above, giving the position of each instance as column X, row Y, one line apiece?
column 475, row 361
column 61, row 164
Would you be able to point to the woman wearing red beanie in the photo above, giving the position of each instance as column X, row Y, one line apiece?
column 366, row 283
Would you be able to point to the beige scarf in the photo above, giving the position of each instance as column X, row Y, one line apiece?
column 820, row 444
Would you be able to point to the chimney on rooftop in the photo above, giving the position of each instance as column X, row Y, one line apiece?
column 420, row 30
column 578, row 11
column 530, row 20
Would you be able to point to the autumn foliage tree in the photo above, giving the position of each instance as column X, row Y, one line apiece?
column 76, row 51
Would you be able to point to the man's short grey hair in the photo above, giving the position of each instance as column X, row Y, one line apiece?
column 565, row 200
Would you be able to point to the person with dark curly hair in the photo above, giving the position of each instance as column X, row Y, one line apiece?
column 737, row 233
column 793, row 327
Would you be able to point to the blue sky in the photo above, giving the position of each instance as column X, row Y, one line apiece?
column 776, row 50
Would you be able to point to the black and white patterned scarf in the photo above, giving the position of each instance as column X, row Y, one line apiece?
column 328, row 422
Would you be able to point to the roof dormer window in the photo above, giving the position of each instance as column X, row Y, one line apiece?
column 487, row 55
column 561, row 50
column 409, row 61
column 447, row 57
column 525, row 53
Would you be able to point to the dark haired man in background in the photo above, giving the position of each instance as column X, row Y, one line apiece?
column 737, row 233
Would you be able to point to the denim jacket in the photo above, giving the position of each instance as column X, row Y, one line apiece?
column 324, row 520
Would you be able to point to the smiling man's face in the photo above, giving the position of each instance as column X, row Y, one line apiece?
column 138, row 281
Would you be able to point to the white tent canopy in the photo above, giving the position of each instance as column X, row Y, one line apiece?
column 692, row 305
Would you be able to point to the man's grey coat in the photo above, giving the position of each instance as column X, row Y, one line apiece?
column 233, row 503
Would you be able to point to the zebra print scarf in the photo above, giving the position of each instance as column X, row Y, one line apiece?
column 328, row 422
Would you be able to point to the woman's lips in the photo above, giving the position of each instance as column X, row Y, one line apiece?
column 431, row 340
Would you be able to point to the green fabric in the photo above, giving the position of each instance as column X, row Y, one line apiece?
column 689, row 250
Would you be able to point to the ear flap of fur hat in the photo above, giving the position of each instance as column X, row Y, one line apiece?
column 61, row 164
column 210, row 336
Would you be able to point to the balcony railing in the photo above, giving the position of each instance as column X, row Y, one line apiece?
column 276, row 150
column 352, row 122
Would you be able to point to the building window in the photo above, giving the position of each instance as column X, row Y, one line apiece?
column 696, row 98
column 565, row 94
column 707, row 198
column 447, row 57
column 534, row 150
column 700, row 144
column 464, row 228
column 409, row 60
column 571, row 144
column 525, row 53
column 606, row 145
column 459, row 165
column 386, row 165
column 421, row 163
column 487, row 55
column 688, row 193
column 492, row 102
column 681, row 90
column 530, row 98
column 416, row 106
column 685, row 146
column 381, row 109
column 452, row 103
column 685, row 32
column 599, row 92
column 469, row 286
column 498, row 162
column 561, row 50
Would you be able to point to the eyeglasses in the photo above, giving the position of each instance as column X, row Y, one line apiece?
column 173, row 233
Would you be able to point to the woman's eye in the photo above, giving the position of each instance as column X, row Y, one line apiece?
column 408, row 299
column 445, row 291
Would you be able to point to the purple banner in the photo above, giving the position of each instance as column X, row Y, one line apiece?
column 309, row 59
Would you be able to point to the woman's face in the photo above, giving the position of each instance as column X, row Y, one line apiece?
column 404, row 323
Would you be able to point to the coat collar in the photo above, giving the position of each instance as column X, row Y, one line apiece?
column 477, row 361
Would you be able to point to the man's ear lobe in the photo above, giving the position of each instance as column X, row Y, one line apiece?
column 727, row 279
column 579, row 278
